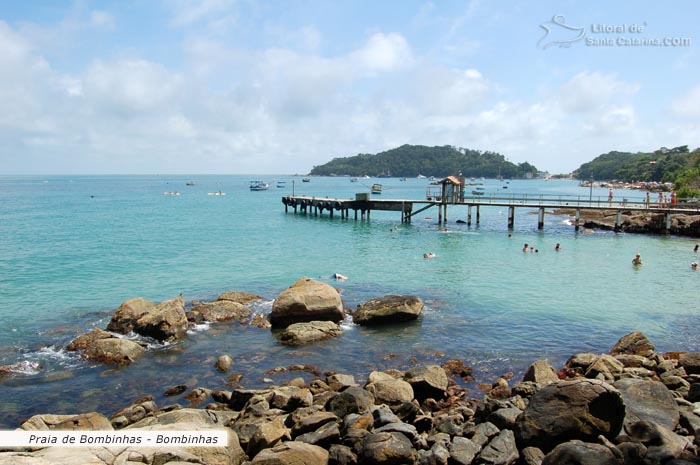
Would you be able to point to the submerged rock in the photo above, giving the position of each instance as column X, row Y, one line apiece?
column 240, row 297
column 114, row 351
column 308, row 332
column 388, row 309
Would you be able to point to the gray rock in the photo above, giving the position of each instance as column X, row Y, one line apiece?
column 579, row 409
column 531, row 456
column 635, row 343
column 504, row 418
column 427, row 381
column 88, row 339
column 292, row 453
column 351, row 400
column 541, row 373
column 463, row 451
column 387, row 449
column 635, row 361
column 307, row 332
column 662, row 444
column 407, row 430
column 383, row 415
column 648, row 400
column 306, row 300
column 388, row 309
column 341, row 455
column 502, row 450
column 581, row 453
column 324, row 436
column 306, row 420
column 482, row 433
column 266, row 435
column 289, row 398
column 340, row 381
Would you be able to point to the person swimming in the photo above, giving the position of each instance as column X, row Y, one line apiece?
column 694, row 265
column 637, row 260
column 557, row 247
column 429, row 255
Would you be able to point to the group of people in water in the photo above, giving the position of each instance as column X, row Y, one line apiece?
column 531, row 249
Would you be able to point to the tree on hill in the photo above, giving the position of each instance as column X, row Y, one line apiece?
column 663, row 165
column 412, row 160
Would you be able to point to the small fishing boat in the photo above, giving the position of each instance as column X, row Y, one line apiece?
column 171, row 193
column 306, row 180
column 476, row 192
column 217, row 193
column 259, row 185
column 189, row 183
column 376, row 188
column 281, row 184
column 354, row 179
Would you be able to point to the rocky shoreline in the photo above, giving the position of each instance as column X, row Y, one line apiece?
column 636, row 222
column 632, row 405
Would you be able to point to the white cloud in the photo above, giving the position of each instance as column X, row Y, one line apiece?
column 450, row 91
column 102, row 20
column 688, row 106
column 589, row 91
column 383, row 52
column 187, row 12
column 131, row 85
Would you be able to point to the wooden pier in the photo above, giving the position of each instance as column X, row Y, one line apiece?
column 364, row 205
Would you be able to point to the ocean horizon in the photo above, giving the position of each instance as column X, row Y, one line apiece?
column 75, row 247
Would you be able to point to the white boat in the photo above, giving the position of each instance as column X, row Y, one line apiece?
column 217, row 193
column 171, row 193
column 376, row 188
column 420, row 176
column 259, row 185
column 281, row 184
column 354, row 179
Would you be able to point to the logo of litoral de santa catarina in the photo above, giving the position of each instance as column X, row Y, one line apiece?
column 558, row 33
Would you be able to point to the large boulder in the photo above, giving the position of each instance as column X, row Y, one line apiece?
column 427, row 381
column 304, row 333
column 164, row 322
column 128, row 313
column 388, row 309
column 579, row 409
column 635, row 343
column 648, row 400
column 306, row 300
column 352, row 400
column 221, row 310
column 113, row 351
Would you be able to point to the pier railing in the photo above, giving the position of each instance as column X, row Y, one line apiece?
column 578, row 201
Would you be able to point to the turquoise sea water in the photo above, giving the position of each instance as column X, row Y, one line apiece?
column 74, row 248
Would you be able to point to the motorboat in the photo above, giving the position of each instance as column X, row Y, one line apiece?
column 477, row 192
column 217, row 193
column 189, row 183
column 354, row 179
column 259, row 185
column 376, row 188
column 171, row 193
column 281, row 184
column 306, row 180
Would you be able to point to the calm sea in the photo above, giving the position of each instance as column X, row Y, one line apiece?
column 73, row 248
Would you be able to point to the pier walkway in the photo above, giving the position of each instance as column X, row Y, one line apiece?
column 364, row 204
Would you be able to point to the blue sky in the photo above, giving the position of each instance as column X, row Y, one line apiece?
column 243, row 87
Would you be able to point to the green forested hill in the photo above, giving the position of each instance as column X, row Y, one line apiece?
column 663, row 165
column 412, row 160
